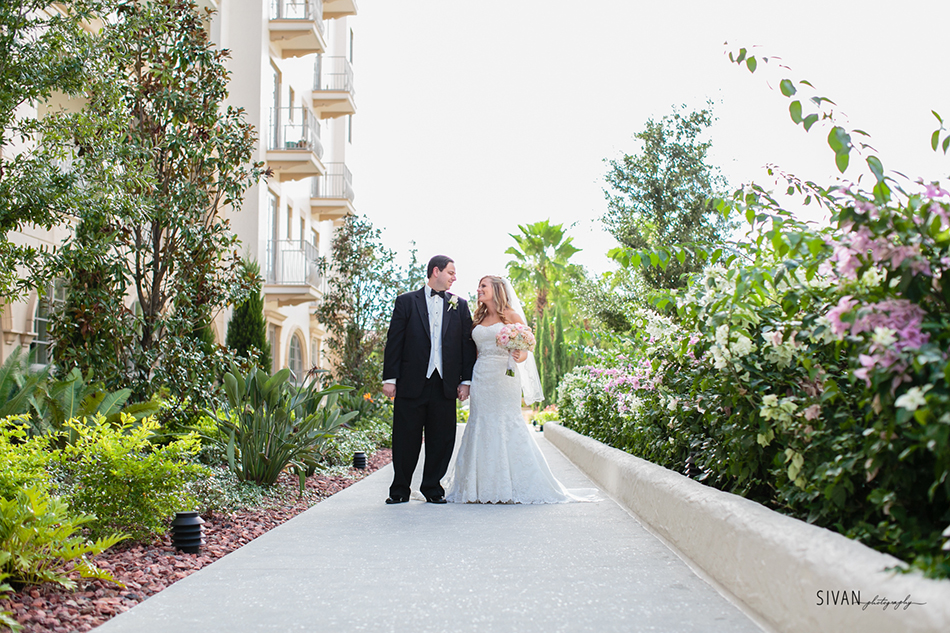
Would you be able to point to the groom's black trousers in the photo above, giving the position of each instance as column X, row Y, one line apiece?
column 433, row 414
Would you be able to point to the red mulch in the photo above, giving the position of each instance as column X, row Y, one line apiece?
column 146, row 569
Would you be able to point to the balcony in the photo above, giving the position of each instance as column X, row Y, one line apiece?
column 296, row 27
column 294, row 149
column 338, row 8
column 291, row 272
column 331, row 196
column 333, row 92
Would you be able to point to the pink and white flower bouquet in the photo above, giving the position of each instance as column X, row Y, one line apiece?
column 513, row 337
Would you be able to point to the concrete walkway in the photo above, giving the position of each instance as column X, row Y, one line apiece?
column 353, row 563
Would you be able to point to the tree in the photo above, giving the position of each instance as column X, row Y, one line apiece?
column 42, row 51
column 247, row 332
column 659, row 196
column 363, row 282
column 544, row 357
column 166, row 159
column 415, row 275
column 540, row 262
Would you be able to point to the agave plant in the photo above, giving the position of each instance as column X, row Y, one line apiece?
column 271, row 424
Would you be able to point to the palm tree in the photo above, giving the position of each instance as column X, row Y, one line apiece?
column 540, row 262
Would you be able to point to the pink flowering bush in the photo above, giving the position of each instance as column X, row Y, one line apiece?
column 807, row 367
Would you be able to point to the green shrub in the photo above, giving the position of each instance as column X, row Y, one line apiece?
column 23, row 459
column 40, row 541
column 222, row 492
column 806, row 367
column 371, row 434
column 247, row 331
column 77, row 397
column 118, row 475
column 18, row 383
column 271, row 425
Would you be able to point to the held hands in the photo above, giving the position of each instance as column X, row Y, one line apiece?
column 463, row 392
column 519, row 355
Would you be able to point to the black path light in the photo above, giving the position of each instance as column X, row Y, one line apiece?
column 359, row 459
column 187, row 532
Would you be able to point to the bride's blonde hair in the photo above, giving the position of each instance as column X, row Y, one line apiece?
column 499, row 298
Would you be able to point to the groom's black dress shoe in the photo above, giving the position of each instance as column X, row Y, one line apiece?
column 435, row 499
column 392, row 500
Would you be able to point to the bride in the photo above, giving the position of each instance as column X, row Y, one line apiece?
column 498, row 461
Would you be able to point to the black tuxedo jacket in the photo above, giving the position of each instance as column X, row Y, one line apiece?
column 408, row 345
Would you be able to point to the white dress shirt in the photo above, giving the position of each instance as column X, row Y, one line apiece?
column 434, row 304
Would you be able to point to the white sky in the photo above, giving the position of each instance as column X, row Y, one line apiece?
column 474, row 117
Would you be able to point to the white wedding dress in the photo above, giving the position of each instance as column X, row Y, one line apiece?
column 498, row 460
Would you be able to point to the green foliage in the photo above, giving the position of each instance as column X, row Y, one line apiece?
column 76, row 398
column 161, row 157
column 247, row 331
column 40, row 541
column 540, row 266
column 118, row 475
column 43, row 51
column 18, row 384
column 23, row 459
column 270, row 424
column 659, row 198
column 362, row 283
column 544, row 356
column 222, row 492
column 805, row 367
column 367, row 436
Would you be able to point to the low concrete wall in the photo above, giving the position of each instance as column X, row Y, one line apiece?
column 797, row 577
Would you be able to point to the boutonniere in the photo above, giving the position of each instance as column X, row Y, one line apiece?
column 453, row 302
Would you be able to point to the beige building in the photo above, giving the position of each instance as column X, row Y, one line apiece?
column 291, row 70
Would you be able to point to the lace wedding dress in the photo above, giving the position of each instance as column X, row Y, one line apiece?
column 498, row 460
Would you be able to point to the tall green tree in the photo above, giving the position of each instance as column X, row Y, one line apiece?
column 157, row 138
column 658, row 198
column 540, row 266
column 43, row 52
column 247, row 331
column 363, row 281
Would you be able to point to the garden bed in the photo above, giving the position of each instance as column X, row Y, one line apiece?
column 146, row 569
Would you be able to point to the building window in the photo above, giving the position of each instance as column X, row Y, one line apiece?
column 349, row 128
column 290, row 223
column 45, row 306
column 295, row 359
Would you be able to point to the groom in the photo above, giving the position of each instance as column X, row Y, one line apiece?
column 428, row 364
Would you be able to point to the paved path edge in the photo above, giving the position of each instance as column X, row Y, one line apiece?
column 792, row 576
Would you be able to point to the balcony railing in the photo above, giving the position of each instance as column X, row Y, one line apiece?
column 333, row 74
column 295, row 129
column 305, row 10
column 336, row 184
column 292, row 263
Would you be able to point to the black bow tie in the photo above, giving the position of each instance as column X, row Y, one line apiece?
column 433, row 292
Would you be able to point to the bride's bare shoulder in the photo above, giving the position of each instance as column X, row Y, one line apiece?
column 512, row 317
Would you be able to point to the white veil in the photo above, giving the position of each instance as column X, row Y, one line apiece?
column 530, row 380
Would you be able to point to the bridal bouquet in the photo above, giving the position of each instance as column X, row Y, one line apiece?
column 512, row 337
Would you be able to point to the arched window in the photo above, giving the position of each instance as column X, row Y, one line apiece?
column 314, row 352
column 295, row 359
